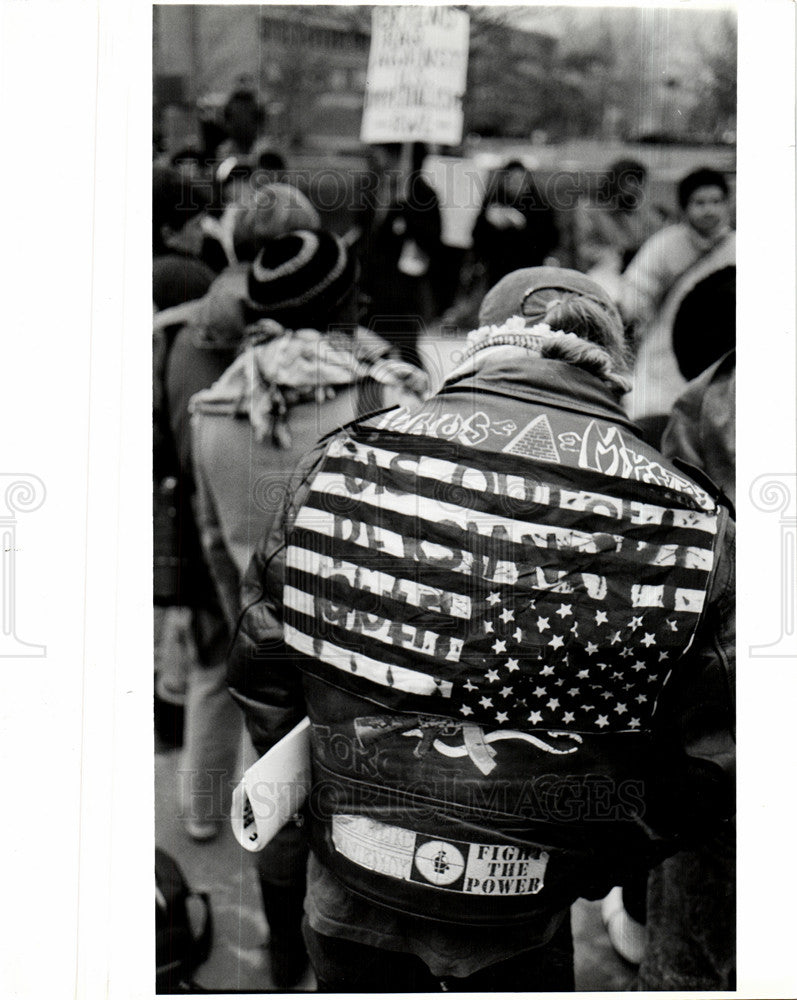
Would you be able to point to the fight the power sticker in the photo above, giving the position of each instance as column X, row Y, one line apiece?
column 453, row 865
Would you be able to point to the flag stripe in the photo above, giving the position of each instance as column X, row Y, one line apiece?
column 424, row 474
column 530, row 566
column 421, row 516
column 377, row 646
column 393, row 631
column 418, row 595
column 351, row 661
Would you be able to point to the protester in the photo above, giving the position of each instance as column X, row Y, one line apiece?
column 516, row 227
column 295, row 379
column 477, row 604
column 399, row 243
column 667, row 267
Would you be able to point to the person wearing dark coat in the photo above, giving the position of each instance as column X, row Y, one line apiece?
column 516, row 227
column 399, row 250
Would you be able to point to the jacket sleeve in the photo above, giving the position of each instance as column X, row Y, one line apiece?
column 262, row 675
column 693, row 777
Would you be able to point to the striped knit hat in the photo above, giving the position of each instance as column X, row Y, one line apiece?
column 299, row 278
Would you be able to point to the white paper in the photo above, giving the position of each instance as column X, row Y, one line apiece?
column 272, row 790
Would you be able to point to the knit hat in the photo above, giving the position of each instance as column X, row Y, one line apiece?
column 276, row 209
column 523, row 293
column 299, row 278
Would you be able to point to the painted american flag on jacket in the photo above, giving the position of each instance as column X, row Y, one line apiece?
column 492, row 589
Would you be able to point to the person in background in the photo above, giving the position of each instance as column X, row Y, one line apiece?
column 516, row 227
column 243, row 119
column 398, row 225
column 609, row 229
column 468, row 601
column 299, row 373
column 691, row 903
column 667, row 267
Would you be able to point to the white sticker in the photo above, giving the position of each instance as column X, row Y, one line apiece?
column 451, row 865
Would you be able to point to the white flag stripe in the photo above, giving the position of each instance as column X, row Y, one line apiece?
column 652, row 596
column 417, row 594
column 350, row 662
column 389, row 543
column 541, row 536
column 399, row 634
column 521, row 489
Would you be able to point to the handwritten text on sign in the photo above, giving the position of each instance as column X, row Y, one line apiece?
column 417, row 70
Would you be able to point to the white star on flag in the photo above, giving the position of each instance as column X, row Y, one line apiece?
column 507, row 615
column 641, row 698
column 518, row 635
column 602, row 721
column 547, row 670
column 591, row 648
column 565, row 610
column 505, row 692
column 663, row 655
column 488, row 626
column 633, row 724
column 486, row 702
column 540, row 692
column 492, row 676
column 601, row 618
column 639, row 665
column 501, row 717
column 512, row 665
column 616, row 638
column 499, row 646
column 535, row 718
column 556, row 642
column 542, row 624
column 552, row 703
column 466, row 710
column 619, row 708
column 649, row 640
column 569, row 717
column 469, row 685
column 635, row 623
column 493, row 598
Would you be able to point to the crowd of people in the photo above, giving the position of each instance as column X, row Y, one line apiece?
column 511, row 599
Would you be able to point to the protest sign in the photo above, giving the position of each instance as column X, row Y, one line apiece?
column 417, row 71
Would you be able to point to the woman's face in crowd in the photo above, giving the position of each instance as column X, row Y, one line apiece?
column 707, row 210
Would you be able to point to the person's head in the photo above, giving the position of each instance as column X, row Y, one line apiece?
column 242, row 117
column 514, row 178
column 175, row 202
column 588, row 330
column 270, row 168
column 276, row 209
column 303, row 279
column 626, row 180
column 703, row 198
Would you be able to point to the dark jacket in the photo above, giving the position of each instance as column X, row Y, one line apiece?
column 565, row 511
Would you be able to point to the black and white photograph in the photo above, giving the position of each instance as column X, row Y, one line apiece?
column 371, row 599
column 444, row 471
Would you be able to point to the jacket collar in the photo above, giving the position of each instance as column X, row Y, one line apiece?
column 514, row 372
